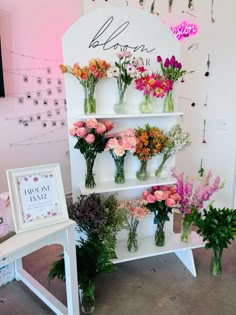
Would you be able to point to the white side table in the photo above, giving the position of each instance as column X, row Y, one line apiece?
column 25, row 243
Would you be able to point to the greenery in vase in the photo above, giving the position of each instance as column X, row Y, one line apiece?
column 218, row 228
column 177, row 141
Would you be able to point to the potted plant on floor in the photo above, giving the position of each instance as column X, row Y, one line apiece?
column 218, row 228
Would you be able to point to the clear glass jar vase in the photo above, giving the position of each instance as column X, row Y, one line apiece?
column 168, row 102
column 121, row 106
column 142, row 173
column 160, row 234
column 132, row 241
column 120, row 169
column 216, row 262
column 186, row 227
column 160, row 171
column 89, row 176
column 89, row 101
column 146, row 105
column 87, row 299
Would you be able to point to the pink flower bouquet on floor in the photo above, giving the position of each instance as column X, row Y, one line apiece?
column 160, row 201
column 91, row 140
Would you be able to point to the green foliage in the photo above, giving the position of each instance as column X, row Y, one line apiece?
column 217, row 226
column 160, row 211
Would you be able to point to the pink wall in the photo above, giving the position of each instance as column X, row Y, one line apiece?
column 33, row 28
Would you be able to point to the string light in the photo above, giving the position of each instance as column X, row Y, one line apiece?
column 32, row 57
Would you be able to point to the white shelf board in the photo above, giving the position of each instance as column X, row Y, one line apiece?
column 147, row 248
column 111, row 186
column 131, row 115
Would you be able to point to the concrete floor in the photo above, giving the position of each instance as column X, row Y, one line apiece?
column 159, row 285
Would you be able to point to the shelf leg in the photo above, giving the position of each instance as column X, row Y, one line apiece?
column 186, row 256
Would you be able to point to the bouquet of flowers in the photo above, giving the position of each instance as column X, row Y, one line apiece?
column 151, row 84
column 171, row 70
column 177, row 141
column 137, row 211
column 90, row 141
column 118, row 146
column 160, row 201
column 88, row 77
column 193, row 195
column 150, row 142
column 124, row 71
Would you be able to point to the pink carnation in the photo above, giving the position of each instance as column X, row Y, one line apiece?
column 90, row 138
column 119, row 151
column 112, row 144
column 108, row 124
column 151, row 199
column 81, row 132
column 78, row 124
column 170, row 202
column 100, row 128
column 159, row 195
column 91, row 123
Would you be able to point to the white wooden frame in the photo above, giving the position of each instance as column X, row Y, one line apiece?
column 37, row 196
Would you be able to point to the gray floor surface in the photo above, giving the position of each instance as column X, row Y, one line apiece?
column 159, row 285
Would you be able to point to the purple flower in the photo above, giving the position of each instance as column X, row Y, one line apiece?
column 179, row 65
column 167, row 63
column 172, row 60
column 176, row 64
column 159, row 59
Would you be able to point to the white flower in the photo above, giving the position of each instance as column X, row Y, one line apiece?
column 113, row 72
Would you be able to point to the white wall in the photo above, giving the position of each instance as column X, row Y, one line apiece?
column 33, row 28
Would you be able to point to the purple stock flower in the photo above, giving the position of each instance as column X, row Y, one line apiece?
column 167, row 63
column 159, row 59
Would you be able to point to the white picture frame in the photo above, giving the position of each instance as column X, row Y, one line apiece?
column 37, row 196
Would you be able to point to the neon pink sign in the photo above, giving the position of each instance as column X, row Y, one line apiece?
column 184, row 29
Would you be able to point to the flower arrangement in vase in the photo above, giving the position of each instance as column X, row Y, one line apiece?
column 124, row 71
column 171, row 70
column 151, row 85
column 160, row 201
column 136, row 211
column 194, row 193
column 91, row 140
column 118, row 146
column 218, row 228
column 150, row 142
column 88, row 77
column 177, row 141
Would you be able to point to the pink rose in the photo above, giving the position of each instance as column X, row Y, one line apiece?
column 119, row 151
column 72, row 131
column 81, row 132
column 166, row 194
column 91, row 123
column 108, row 124
column 100, row 128
column 155, row 188
column 151, row 199
column 146, row 193
column 172, row 189
column 78, row 124
column 90, row 138
column 176, row 197
column 170, row 202
column 163, row 188
column 159, row 195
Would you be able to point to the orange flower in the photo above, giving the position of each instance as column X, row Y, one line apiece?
column 63, row 68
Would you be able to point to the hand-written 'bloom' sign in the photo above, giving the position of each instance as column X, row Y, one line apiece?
column 184, row 29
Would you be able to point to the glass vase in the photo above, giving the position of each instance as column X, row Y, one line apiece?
column 87, row 299
column 120, row 169
column 186, row 226
column 146, row 105
column 216, row 262
column 160, row 170
column 160, row 235
column 89, row 177
column 121, row 106
column 168, row 102
column 89, row 101
column 142, row 173
column 132, row 241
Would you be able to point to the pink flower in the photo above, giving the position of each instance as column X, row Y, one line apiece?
column 166, row 194
column 91, row 123
column 119, row 151
column 155, row 188
column 163, row 188
column 81, row 132
column 72, row 131
column 90, row 138
column 78, row 124
column 159, row 195
column 146, row 193
column 170, row 202
column 151, row 199
column 100, row 128
column 176, row 197
column 108, row 124
column 172, row 189
column 112, row 144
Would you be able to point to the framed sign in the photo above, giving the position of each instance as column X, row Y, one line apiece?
column 37, row 196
